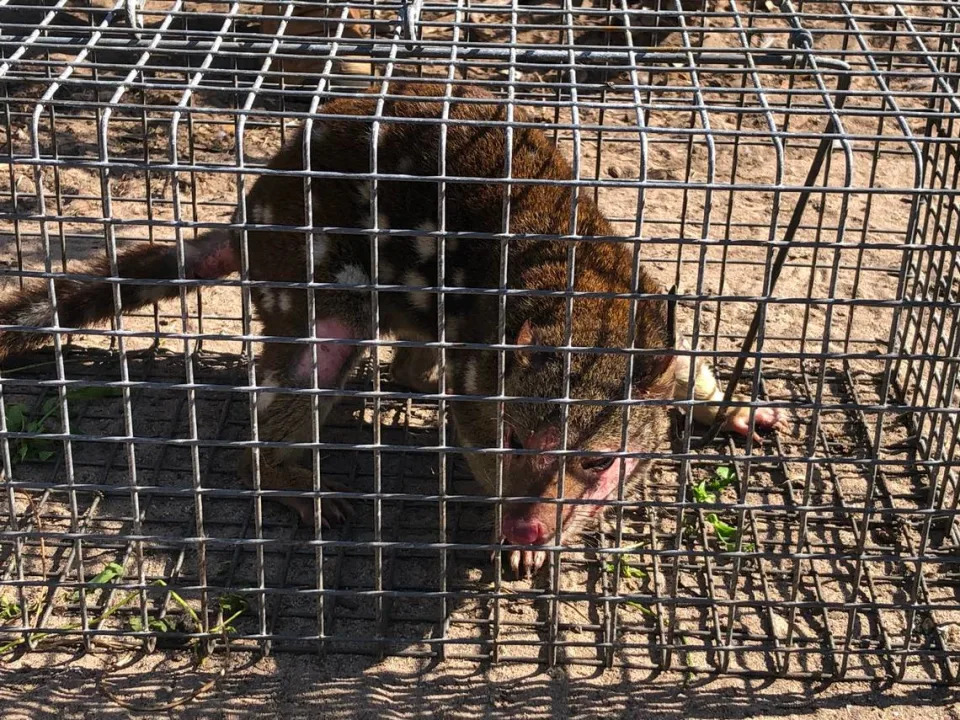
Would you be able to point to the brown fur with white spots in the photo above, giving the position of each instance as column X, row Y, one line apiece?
column 341, row 143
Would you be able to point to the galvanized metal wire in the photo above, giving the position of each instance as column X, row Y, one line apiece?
column 792, row 167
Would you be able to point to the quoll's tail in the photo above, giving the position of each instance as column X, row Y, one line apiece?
column 85, row 302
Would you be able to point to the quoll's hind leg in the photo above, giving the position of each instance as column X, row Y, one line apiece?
column 287, row 417
column 706, row 388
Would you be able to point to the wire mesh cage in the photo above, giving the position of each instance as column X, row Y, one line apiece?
column 789, row 170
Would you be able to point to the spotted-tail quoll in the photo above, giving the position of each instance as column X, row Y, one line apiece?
column 408, row 144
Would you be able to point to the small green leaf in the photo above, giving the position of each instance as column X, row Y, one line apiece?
column 629, row 565
column 50, row 405
column 16, row 417
column 701, row 494
column 154, row 624
column 642, row 608
column 109, row 573
column 724, row 474
column 45, row 454
column 720, row 527
column 633, row 572
column 233, row 604
column 9, row 609
column 725, row 531
column 35, row 427
column 726, row 534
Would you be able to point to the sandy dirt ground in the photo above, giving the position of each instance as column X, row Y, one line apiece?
column 750, row 630
column 295, row 687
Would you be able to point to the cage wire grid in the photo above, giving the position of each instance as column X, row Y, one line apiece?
column 791, row 167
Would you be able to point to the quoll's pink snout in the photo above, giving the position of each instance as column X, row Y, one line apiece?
column 522, row 521
column 589, row 477
column 523, row 531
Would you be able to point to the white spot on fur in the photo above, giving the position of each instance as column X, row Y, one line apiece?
column 285, row 301
column 425, row 245
column 404, row 165
column 470, row 378
column 266, row 214
column 419, row 300
column 267, row 300
column 363, row 192
column 321, row 245
column 352, row 275
column 266, row 399
column 259, row 213
column 414, row 279
column 459, row 277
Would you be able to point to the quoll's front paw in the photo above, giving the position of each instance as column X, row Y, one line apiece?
column 526, row 563
column 523, row 563
column 765, row 420
column 333, row 511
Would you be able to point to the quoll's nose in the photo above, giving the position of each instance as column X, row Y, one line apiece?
column 521, row 531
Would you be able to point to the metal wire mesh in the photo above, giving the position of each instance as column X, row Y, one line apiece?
column 791, row 167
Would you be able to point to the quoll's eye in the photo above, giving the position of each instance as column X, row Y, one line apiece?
column 596, row 464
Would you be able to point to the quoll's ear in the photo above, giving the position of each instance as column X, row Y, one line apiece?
column 654, row 374
column 528, row 335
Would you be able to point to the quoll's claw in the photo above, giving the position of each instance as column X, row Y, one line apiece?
column 535, row 562
column 766, row 419
column 515, row 562
column 333, row 511
column 527, row 563
column 302, row 506
column 496, row 539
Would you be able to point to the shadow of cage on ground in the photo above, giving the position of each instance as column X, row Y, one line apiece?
column 297, row 687
column 393, row 588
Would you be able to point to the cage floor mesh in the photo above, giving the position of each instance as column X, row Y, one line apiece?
column 829, row 548
column 846, row 559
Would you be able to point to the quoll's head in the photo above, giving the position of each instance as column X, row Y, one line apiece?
column 595, row 428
